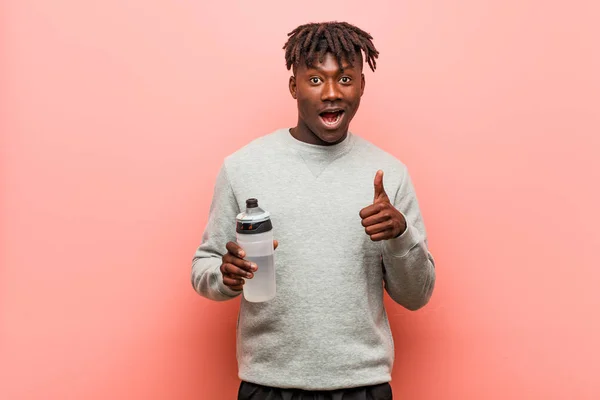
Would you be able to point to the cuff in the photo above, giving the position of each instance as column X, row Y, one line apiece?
column 400, row 246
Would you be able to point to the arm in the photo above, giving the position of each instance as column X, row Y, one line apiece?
column 207, row 278
column 409, row 268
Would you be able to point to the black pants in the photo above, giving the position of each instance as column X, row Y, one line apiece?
column 252, row 391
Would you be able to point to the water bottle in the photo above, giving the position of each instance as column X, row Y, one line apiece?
column 254, row 233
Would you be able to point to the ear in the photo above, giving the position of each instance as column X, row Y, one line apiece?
column 362, row 84
column 292, row 86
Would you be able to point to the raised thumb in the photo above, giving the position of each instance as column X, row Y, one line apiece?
column 380, row 193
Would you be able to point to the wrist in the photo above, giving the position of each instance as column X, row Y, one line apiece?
column 402, row 230
column 403, row 243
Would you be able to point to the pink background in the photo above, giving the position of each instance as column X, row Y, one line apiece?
column 115, row 116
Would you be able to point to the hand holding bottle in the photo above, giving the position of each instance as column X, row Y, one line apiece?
column 235, row 268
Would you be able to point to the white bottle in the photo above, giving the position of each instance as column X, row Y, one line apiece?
column 254, row 233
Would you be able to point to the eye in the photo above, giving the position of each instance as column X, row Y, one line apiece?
column 315, row 80
column 345, row 79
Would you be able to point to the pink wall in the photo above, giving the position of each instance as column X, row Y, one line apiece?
column 116, row 115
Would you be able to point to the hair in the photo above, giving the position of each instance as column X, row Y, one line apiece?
column 342, row 39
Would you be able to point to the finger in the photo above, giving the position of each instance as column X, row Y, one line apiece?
column 275, row 244
column 230, row 269
column 370, row 210
column 233, row 281
column 239, row 262
column 378, row 218
column 382, row 227
column 234, row 249
column 378, row 183
column 385, row 235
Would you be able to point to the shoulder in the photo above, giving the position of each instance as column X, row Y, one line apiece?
column 259, row 148
column 373, row 154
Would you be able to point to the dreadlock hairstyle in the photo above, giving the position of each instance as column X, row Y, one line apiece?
column 314, row 40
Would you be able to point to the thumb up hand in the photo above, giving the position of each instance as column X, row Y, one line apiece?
column 381, row 219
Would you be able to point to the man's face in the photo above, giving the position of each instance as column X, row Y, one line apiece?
column 327, row 97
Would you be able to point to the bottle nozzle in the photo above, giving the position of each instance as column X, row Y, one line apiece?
column 251, row 203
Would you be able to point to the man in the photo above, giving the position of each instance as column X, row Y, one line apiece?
column 342, row 237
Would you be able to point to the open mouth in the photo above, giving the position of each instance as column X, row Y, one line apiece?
column 331, row 118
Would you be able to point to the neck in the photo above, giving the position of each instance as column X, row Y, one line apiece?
column 303, row 133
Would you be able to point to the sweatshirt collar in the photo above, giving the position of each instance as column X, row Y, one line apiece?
column 334, row 150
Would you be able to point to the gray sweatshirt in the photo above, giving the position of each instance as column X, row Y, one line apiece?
column 327, row 327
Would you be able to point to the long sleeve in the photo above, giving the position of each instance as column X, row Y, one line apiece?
column 409, row 268
column 207, row 278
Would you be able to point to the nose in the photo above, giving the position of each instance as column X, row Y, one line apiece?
column 330, row 92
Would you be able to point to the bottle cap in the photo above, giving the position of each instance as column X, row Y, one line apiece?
column 254, row 219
